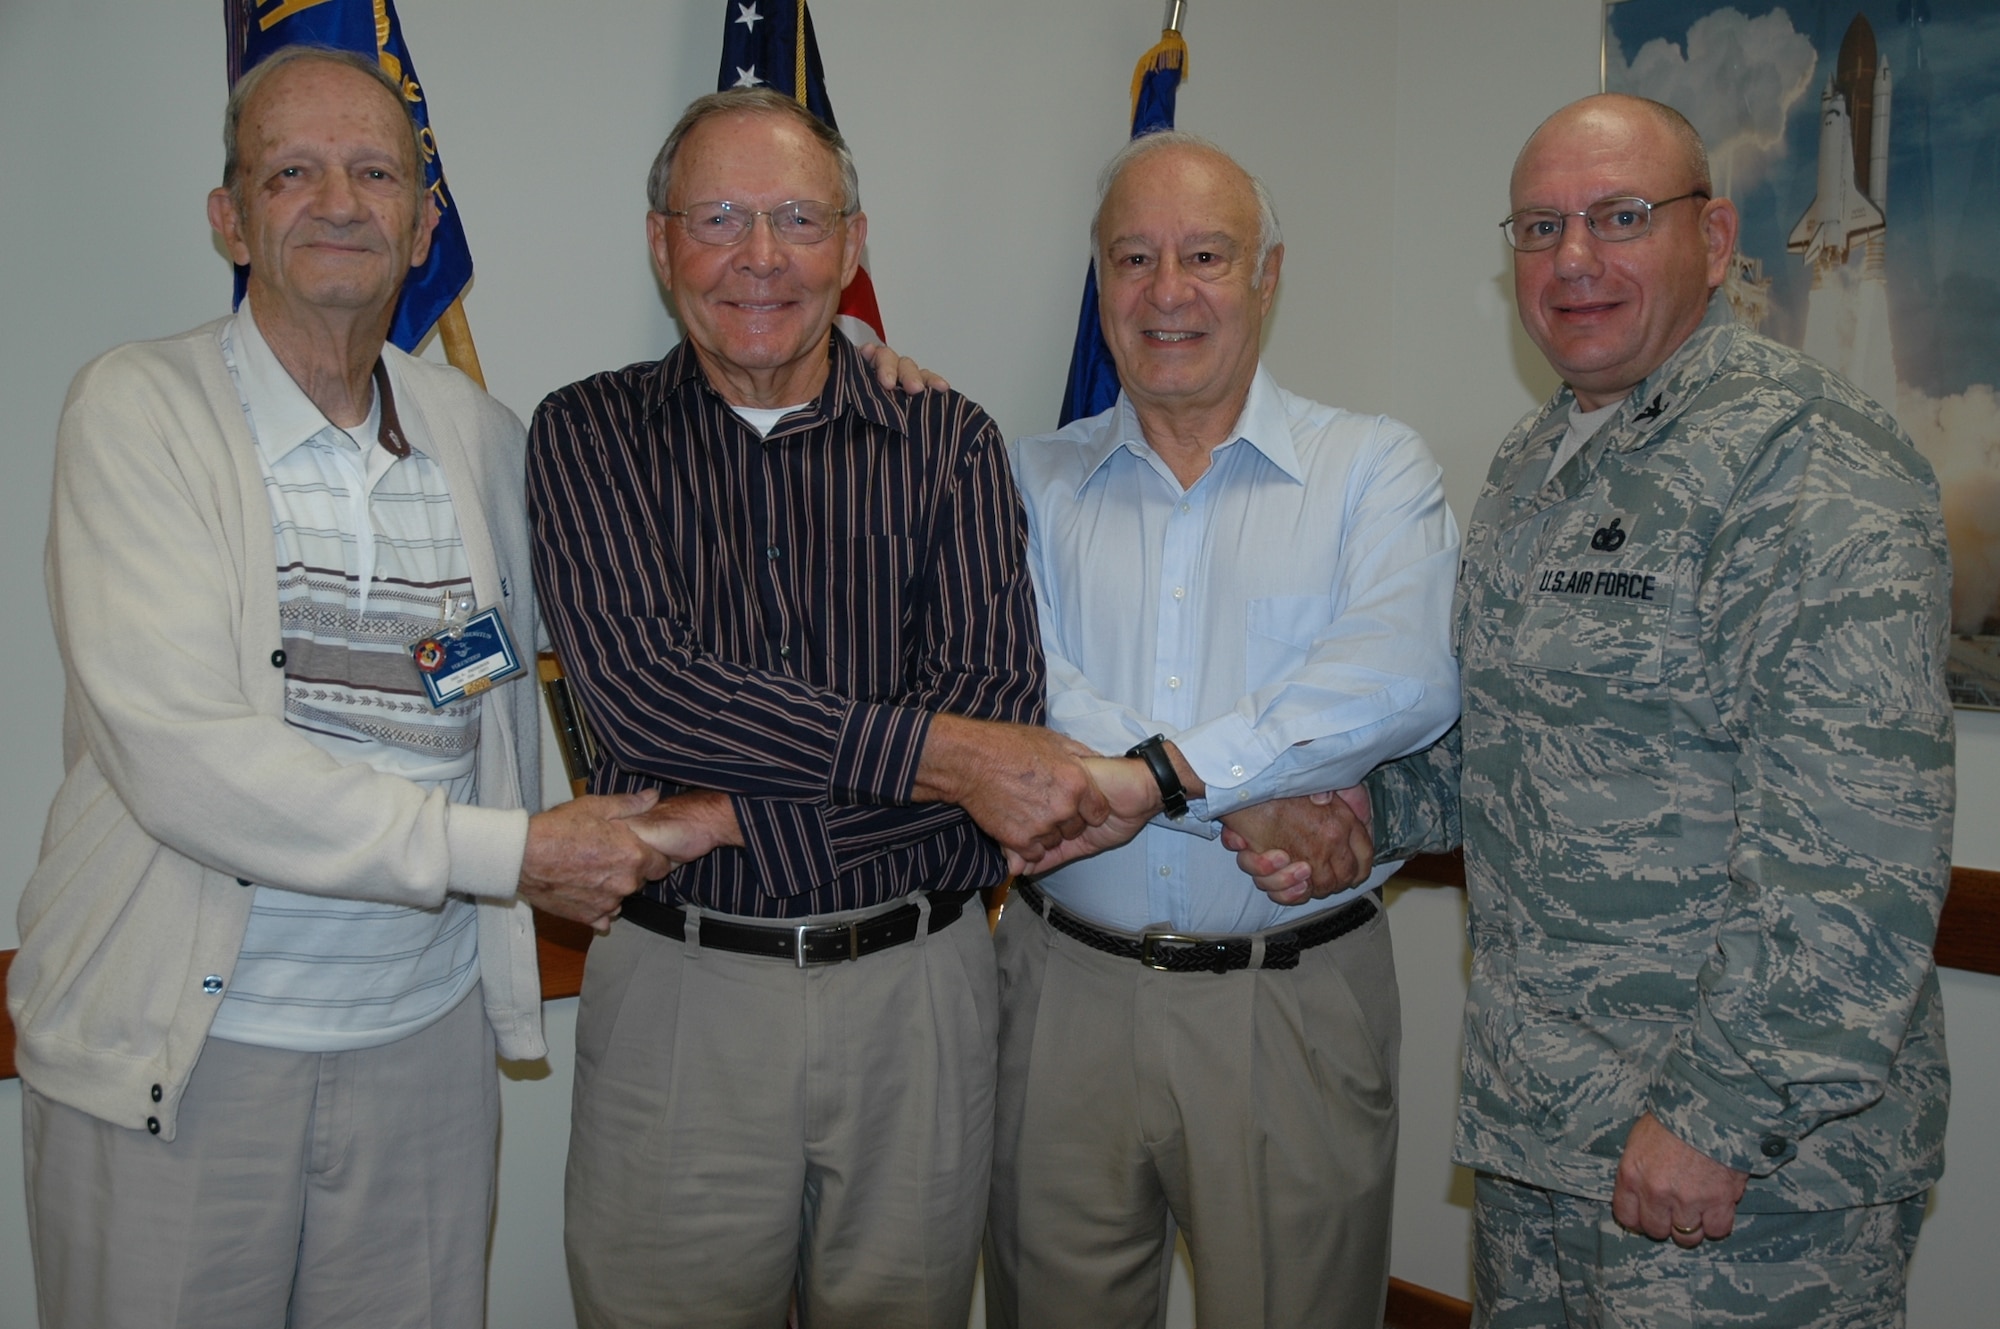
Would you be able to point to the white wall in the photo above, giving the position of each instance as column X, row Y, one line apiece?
column 1385, row 131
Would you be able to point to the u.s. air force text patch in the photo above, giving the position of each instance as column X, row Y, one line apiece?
column 1599, row 581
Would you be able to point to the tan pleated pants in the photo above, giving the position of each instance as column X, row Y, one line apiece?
column 743, row 1127
column 1259, row 1107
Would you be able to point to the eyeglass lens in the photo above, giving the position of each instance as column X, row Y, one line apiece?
column 799, row 222
column 1611, row 219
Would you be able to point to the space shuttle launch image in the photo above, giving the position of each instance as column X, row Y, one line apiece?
column 1847, row 313
column 1808, row 108
column 1853, row 154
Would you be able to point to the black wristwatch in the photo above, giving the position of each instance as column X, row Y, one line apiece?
column 1173, row 794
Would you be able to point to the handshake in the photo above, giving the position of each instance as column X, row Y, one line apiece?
column 1049, row 800
column 585, row 856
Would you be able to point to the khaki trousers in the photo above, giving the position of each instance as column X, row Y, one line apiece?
column 744, row 1128
column 1258, row 1107
column 302, row 1189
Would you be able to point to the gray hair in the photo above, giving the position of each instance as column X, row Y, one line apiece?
column 259, row 74
column 1269, row 237
column 751, row 101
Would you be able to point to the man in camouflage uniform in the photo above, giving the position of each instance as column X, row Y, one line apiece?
column 1704, row 783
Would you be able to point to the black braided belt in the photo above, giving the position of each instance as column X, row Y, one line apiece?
column 1181, row 953
column 805, row 943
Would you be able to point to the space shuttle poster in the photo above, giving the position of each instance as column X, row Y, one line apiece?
column 1860, row 140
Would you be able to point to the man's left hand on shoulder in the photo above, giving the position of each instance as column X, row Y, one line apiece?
column 895, row 371
column 1668, row 1188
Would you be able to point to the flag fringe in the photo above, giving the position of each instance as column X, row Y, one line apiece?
column 1170, row 52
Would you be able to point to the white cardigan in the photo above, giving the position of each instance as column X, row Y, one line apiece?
column 183, row 780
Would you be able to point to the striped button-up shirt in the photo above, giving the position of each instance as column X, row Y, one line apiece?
column 778, row 619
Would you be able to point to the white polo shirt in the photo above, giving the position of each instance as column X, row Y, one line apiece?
column 368, row 548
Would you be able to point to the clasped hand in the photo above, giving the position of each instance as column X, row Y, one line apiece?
column 1304, row 848
column 585, row 856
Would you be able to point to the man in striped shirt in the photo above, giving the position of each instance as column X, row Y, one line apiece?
column 803, row 601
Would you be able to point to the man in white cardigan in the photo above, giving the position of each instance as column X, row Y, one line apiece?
column 280, row 925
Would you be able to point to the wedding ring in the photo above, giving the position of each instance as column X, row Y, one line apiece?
column 1686, row 1231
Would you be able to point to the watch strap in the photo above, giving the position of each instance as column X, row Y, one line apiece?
column 1173, row 794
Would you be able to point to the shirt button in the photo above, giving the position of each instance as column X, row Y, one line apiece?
column 212, row 984
column 1180, row 592
column 1166, row 871
column 277, row 659
column 1236, row 771
column 785, row 651
column 771, row 551
column 153, row 1125
column 157, row 1093
column 1774, row 1145
column 1174, row 681
column 242, row 881
column 1185, row 507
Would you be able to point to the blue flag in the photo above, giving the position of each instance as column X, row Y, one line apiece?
column 371, row 28
column 1093, row 378
column 770, row 44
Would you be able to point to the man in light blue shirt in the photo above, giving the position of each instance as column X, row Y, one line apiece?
column 1247, row 594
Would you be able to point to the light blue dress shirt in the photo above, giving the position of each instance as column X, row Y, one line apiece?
column 1285, row 621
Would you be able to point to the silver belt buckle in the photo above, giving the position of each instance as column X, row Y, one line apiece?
column 1146, row 940
column 799, row 944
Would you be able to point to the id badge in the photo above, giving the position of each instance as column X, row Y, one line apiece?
column 466, row 660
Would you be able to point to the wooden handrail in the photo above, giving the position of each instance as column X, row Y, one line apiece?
column 1968, row 934
column 1412, row 1306
column 6, row 1025
column 1968, row 930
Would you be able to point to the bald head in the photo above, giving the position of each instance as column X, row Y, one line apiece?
column 1618, row 113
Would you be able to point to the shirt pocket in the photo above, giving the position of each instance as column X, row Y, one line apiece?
column 1602, row 638
column 1279, row 632
column 1586, row 677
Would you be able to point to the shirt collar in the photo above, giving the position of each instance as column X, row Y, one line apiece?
column 1262, row 424
column 1655, row 402
column 850, row 388
column 283, row 417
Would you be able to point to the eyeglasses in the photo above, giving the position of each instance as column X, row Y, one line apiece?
column 801, row 221
column 1613, row 220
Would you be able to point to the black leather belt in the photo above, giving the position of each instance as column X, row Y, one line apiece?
column 805, row 943
column 1182, row 953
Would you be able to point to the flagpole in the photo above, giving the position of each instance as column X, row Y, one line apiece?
column 456, row 334
column 1176, row 11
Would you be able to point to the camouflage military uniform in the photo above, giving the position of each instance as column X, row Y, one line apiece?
column 1705, row 777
